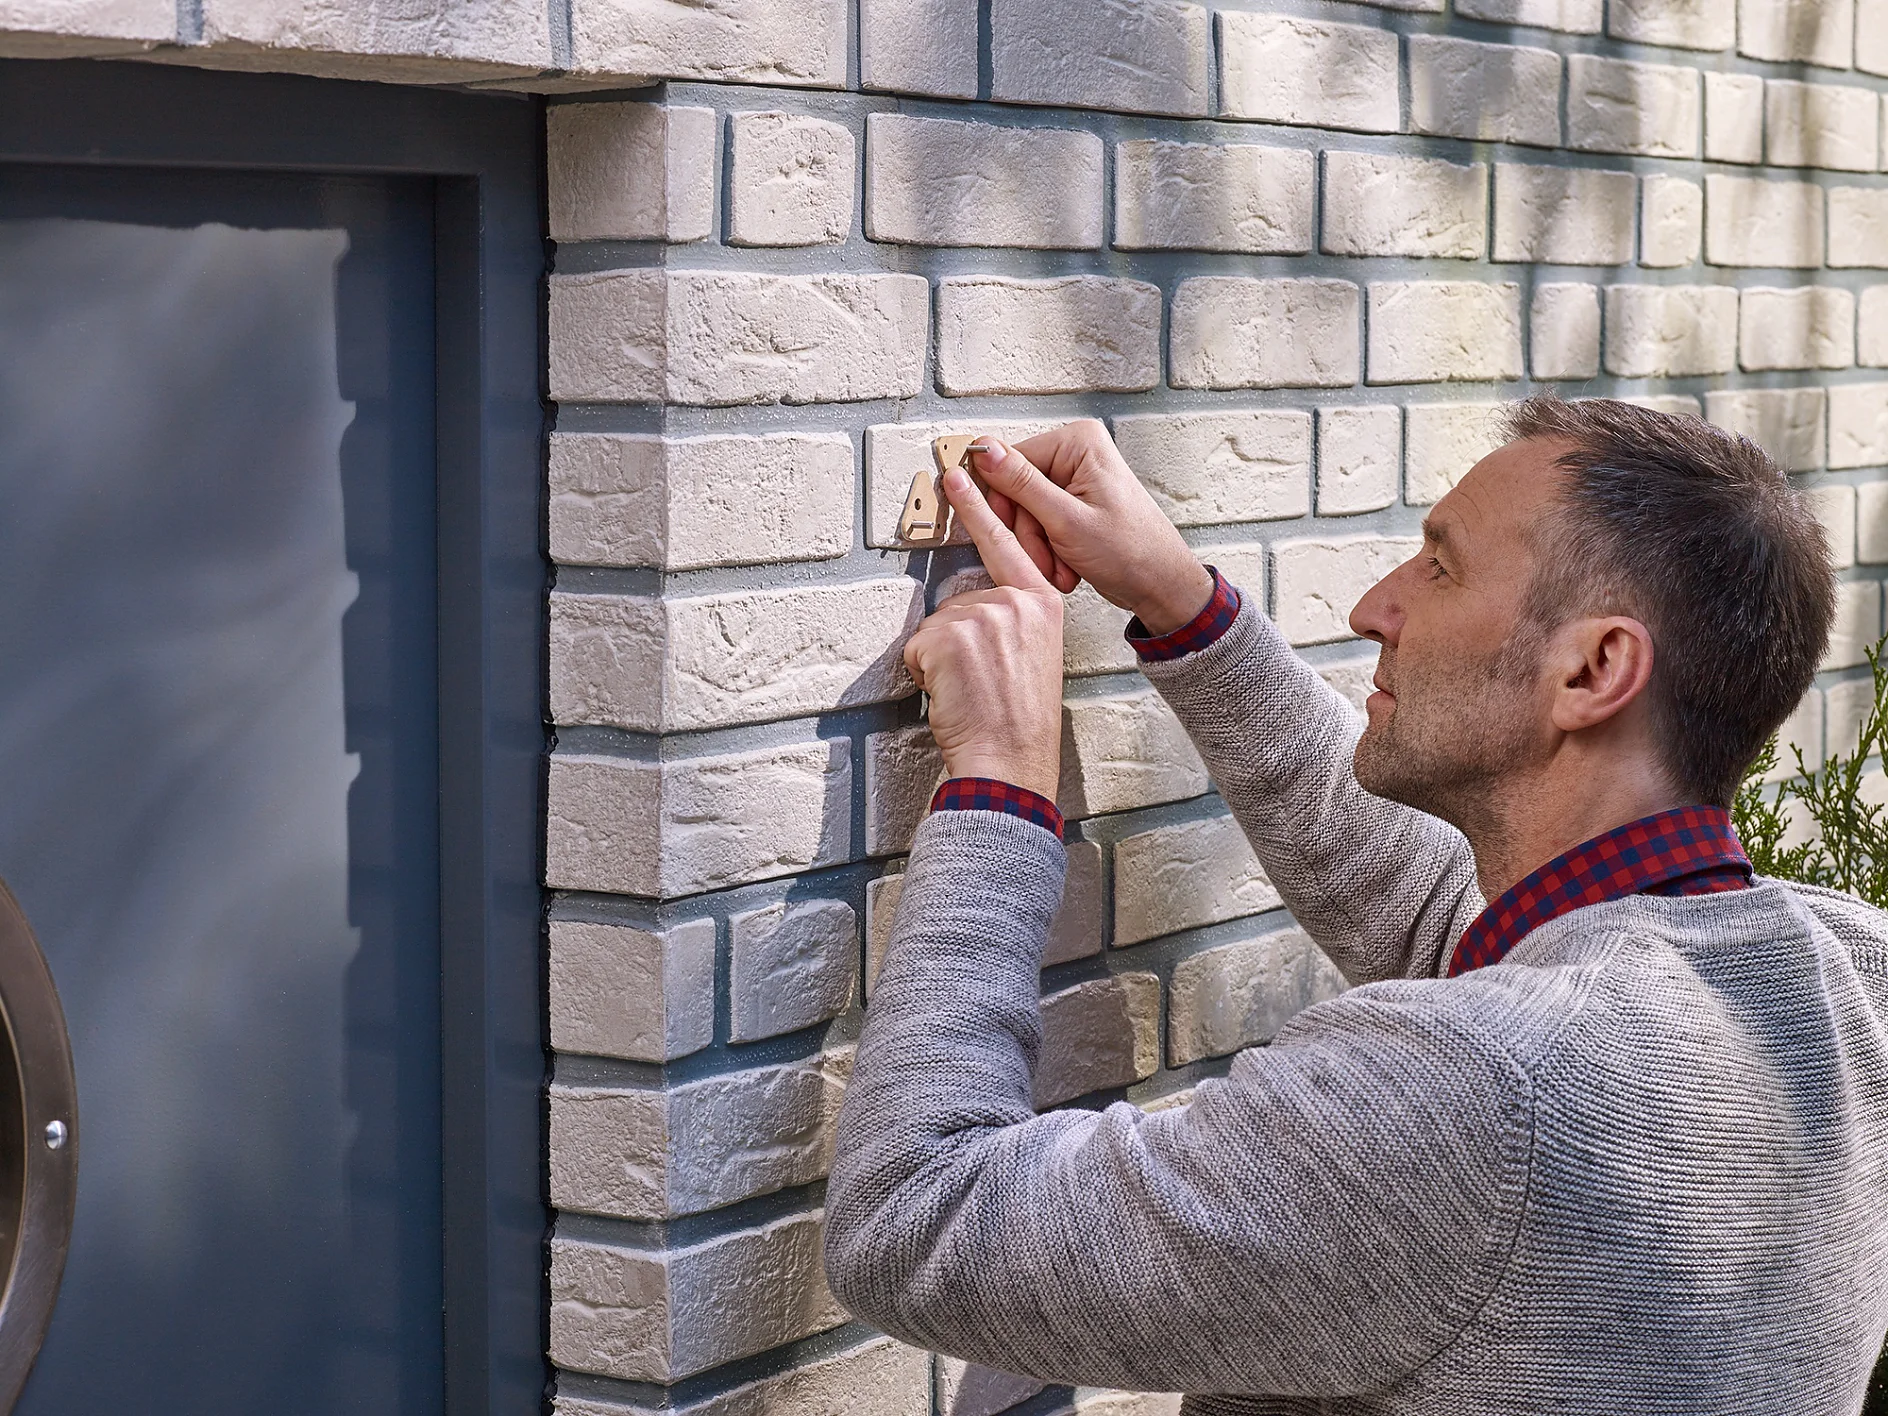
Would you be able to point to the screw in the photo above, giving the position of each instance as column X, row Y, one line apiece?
column 55, row 1135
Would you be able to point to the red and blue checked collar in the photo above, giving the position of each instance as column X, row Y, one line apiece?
column 1690, row 850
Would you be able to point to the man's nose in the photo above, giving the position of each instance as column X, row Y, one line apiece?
column 1379, row 615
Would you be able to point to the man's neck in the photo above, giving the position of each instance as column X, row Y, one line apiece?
column 1531, row 820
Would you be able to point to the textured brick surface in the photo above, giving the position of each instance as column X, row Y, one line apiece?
column 1858, row 227
column 1141, row 56
column 1185, row 875
column 1360, row 458
column 1670, row 331
column 726, row 337
column 1801, row 327
column 1787, row 423
column 1444, row 440
column 666, row 665
column 1124, row 750
column 1871, row 36
column 685, row 503
column 1239, row 995
column 1238, row 332
column 1617, row 105
column 790, row 965
column 1281, row 69
column 1733, row 118
column 1835, row 508
column 1821, row 125
column 1671, row 221
column 76, row 28
column 1857, row 624
column 1797, row 31
column 1871, row 523
column 1571, row 16
column 1377, row 205
column 1563, row 215
column 790, row 180
column 1077, row 333
column 879, row 1377
column 475, row 39
column 1872, row 327
column 919, row 46
column 801, row 42
column 1752, row 222
column 1564, row 331
column 897, row 452
column 1316, row 583
column 1212, row 197
column 618, row 991
column 630, row 171
column 1422, row 331
column 1459, row 88
column 966, row 1389
column 1683, row 24
column 939, row 182
column 1858, row 425
column 1206, row 469
column 902, row 770
column 1097, row 1035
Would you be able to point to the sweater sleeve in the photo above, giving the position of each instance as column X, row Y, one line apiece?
column 1322, row 1222
column 1384, row 889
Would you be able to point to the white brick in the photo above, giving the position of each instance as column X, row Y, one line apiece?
column 1821, row 125
column 939, row 182
column 790, row 180
column 632, row 499
column 1797, row 31
column 902, row 770
column 1670, row 331
column 1858, row 227
column 1239, row 995
column 919, row 46
column 52, row 29
column 1857, row 624
column 630, row 172
column 1569, row 16
column 1360, row 459
column 1444, row 440
column 746, row 656
column 702, row 823
column 966, row 1389
column 1081, row 333
column 1380, row 205
column 1803, row 728
column 1317, row 582
column 1098, row 1035
column 474, row 39
column 1858, row 425
column 1679, row 405
column 796, row 42
column 1210, row 469
column 1682, row 24
column 1671, row 221
column 1497, row 93
column 1849, row 705
column 1787, row 423
column 1750, row 222
column 617, row 991
column 1124, row 750
column 1184, row 876
column 1564, row 331
column 1563, row 215
column 1134, row 56
column 1615, row 105
column 1733, row 118
column 658, row 1315
column 881, row 1377
column 1871, row 36
column 897, row 452
column 726, row 337
column 1351, row 679
column 1801, row 327
column 1090, row 1401
column 1834, row 507
column 791, row 965
column 1282, row 69
column 648, row 1154
column 1092, row 641
column 1212, row 197
column 1872, row 335
column 1237, row 332
column 1425, row 330
column 881, row 913
column 1871, row 523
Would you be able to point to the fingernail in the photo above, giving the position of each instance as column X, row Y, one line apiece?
column 990, row 445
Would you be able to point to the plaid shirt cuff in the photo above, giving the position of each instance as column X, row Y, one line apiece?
column 988, row 794
column 1196, row 634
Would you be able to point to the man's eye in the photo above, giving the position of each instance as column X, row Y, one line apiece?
column 1435, row 567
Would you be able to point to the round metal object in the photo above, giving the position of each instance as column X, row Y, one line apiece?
column 38, row 1182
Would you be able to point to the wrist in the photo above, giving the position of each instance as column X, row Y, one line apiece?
column 1178, row 600
column 1036, row 776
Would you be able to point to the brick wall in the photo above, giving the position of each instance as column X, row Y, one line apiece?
column 1295, row 260
column 1294, row 255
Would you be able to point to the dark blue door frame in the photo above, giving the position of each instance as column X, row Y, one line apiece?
column 484, row 155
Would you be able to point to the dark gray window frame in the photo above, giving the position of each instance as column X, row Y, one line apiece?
column 485, row 154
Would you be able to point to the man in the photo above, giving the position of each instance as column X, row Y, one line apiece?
column 1617, row 1142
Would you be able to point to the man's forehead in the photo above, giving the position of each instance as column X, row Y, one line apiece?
column 1500, row 496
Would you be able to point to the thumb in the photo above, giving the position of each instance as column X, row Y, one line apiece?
column 1007, row 471
column 1003, row 555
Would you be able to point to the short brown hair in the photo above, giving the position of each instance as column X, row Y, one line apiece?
column 1696, row 532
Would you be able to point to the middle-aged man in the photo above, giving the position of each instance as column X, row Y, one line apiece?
column 1616, row 1142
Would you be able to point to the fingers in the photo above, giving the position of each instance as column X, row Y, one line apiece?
column 1013, row 475
column 1003, row 555
column 1060, row 451
column 1029, row 533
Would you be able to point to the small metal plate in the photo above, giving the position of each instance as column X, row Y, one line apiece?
column 926, row 520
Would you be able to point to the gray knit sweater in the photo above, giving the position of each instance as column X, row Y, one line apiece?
column 1640, row 1166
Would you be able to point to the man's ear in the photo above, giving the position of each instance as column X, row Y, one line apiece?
column 1604, row 665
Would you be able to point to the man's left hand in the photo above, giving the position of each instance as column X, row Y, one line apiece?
column 991, row 660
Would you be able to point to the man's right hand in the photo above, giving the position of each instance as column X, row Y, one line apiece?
column 1078, row 504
